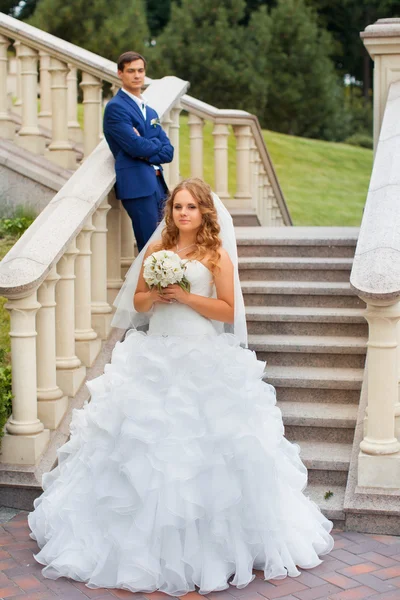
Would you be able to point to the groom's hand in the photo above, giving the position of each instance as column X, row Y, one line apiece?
column 136, row 131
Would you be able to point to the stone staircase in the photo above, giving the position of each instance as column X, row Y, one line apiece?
column 305, row 321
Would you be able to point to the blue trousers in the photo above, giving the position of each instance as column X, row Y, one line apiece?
column 146, row 213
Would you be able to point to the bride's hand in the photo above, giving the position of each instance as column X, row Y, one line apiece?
column 174, row 293
column 156, row 296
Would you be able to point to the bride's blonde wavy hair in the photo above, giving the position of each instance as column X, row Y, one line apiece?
column 208, row 242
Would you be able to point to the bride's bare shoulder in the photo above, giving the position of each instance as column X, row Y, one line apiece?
column 152, row 247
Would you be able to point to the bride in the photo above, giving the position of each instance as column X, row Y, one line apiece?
column 177, row 474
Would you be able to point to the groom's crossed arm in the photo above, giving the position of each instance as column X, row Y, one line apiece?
column 118, row 125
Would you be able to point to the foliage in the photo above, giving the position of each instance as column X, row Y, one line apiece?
column 304, row 96
column 5, row 369
column 5, row 395
column 16, row 8
column 205, row 44
column 107, row 27
column 158, row 14
column 360, row 139
column 15, row 226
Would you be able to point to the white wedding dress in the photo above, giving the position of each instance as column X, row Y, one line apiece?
column 177, row 473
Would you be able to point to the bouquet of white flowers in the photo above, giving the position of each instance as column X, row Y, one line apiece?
column 164, row 268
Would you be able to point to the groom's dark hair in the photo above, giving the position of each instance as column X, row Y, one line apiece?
column 128, row 57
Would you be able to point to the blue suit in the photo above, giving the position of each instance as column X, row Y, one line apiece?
column 141, row 191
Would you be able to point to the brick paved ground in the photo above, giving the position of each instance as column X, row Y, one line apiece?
column 360, row 566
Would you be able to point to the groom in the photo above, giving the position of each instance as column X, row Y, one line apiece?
column 139, row 145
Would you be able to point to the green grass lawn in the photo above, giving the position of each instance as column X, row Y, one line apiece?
column 323, row 183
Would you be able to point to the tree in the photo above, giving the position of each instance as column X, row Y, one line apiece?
column 305, row 96
column 205, row 44
column 107, row 27
column 158, row 14
column 17, row 8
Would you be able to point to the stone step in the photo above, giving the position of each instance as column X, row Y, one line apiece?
column 325, row 456
column 314, row 378
column 332, row 507
column 297, row 241
column 311, row 351
column 305, row 320
column 300, row 293
column 267, row 268
column 244, row 218
column 319, row 421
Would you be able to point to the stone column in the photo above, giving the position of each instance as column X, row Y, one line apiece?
column 70, row 371
column 52, row 403
column 243, row 175
column 379, row 458
column 114, row 281
column 382, row 40
column 17, row 108
column 7, row 126
column 196, row 125
column 45, row 91
column 174, row 172
column 221, row 134
column 74, row 129
column 101, row 310
column 88, row 344
column 25, row 437
column 60, row 150
column 128, row 244
column 29, row 136
column 166, row 123
column 91, row 112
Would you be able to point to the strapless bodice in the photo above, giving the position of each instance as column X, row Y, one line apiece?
column 179, row 319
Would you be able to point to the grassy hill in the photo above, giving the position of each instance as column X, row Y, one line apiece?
column 323, row 183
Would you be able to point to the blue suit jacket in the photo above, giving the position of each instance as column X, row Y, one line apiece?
column 134, row 155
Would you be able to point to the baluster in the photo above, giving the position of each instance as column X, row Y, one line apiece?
column 29, row 136
column 17, row 108
column 74, row 129
column 221, row 134
column 397, row 400
column 196, row 125
column 60, row 150
column 114, row 281
column 167, row 121
column 7, row 126
column 25, row 437
column 45, row 91
column 262, row 195
column 91, row 112
column 379, row 458
column 243, row 176
column 127, row 242
column 70, row 371
column 101, row 310
column 87, row 343
column 52, row 403
column 174, row 173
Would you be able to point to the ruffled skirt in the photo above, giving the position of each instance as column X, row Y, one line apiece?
column 177, row 474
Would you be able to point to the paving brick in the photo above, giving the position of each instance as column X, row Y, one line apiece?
column 384, row 539
column 390, row 550
column 285, row 589
column 125, row 594
column 388, row 572
column 28, row 583
column 359, row 569
column 354, row 536
column 153, row 595
column 316, row 593
column 373, row 582
column 340, row 580
column 386, row 596
column 347, row 557
column 354, row 594
column 11, row 591
column 7, row 564
column 64, row 589
column 379, row 559
column 368, row 546
column 310, row 580
column 89, row 592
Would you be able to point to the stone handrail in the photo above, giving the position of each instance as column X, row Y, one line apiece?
column 375, row 276
column 205, row 111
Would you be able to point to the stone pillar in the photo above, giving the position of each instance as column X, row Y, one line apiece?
column 70, row 371
column 52, row 403
column 127, row 241
column 29, row 136
column 45, row 91
column 382, row 40
column 166, row 123
column 60, row 150
column 101, row 310
column 88, row 344
column 397, row 400
column 74, row 129
column 17, row 108
column 91, row 112
column 25, row 437
column 221, row 134
column 243, row 174
column 174, row 172
column 379, row 458
column 196, row 125
column 114, row 281
column 7, row 126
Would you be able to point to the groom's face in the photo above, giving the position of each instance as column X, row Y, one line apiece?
column 132, row 77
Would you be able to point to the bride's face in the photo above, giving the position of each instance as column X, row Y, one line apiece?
column 185, row 212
